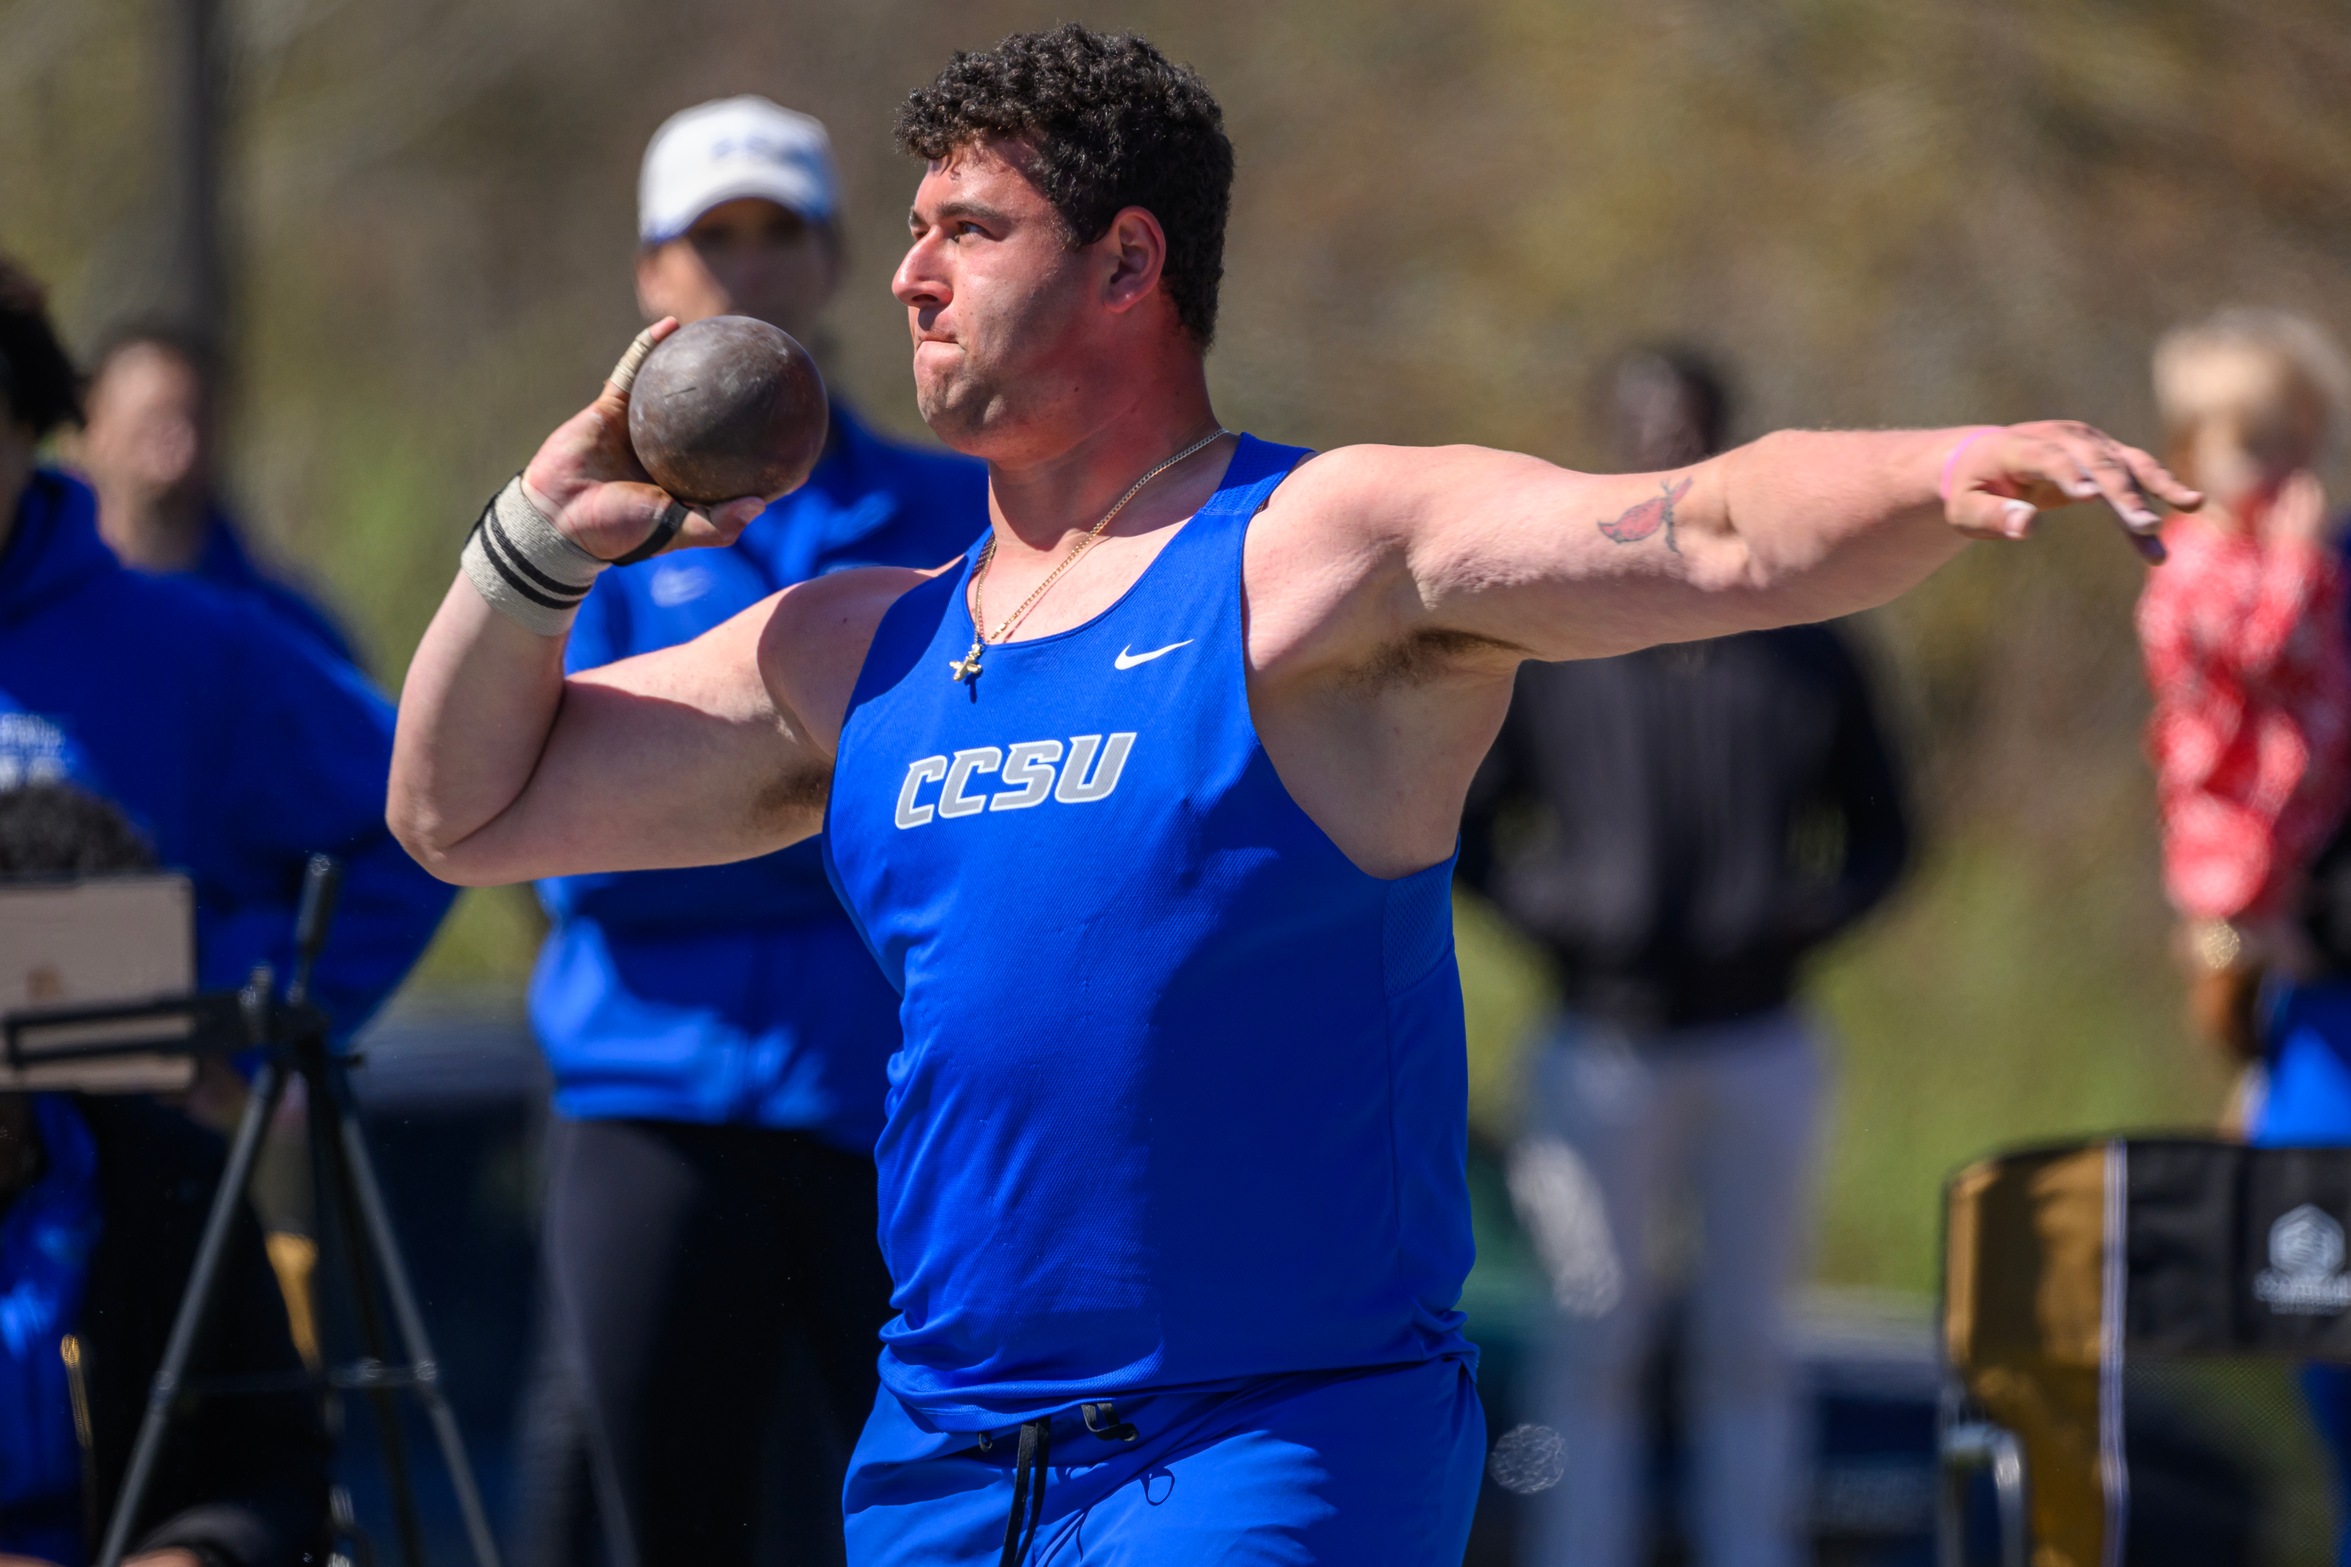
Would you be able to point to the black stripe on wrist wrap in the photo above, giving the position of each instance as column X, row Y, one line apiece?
column 524, row 567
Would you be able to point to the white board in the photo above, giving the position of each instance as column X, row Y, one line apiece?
column 110, row 940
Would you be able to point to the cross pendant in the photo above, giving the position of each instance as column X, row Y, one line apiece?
column 968, row 666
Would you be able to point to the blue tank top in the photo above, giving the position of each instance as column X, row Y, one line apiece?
column 1183, row 1094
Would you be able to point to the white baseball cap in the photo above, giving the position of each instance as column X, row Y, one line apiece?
column 734, row 147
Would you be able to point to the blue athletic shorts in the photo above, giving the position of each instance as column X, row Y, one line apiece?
column 1372, row 1468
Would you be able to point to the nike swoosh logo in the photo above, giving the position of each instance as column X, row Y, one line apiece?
column 1128, row 658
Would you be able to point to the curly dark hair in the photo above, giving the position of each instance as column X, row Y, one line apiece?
column 37, row 378
column 1114, row 124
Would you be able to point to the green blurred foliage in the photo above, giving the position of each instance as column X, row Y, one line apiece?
column 487, row 941
column 1449, row 216
column 2005, row 1001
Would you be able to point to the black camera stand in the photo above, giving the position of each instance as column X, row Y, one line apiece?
column 292, row 1033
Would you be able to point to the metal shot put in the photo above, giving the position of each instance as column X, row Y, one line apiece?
column 725, row 408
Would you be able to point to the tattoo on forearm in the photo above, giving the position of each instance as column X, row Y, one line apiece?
column 1636, row 523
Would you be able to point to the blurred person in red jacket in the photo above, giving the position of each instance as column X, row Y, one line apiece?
column 2246, row 653
column 2250, row 660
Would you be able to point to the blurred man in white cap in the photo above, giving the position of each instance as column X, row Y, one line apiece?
column 717, row 1036
column 735, row 216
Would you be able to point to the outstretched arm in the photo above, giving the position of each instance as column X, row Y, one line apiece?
column 503, row 771
column 1498, row 549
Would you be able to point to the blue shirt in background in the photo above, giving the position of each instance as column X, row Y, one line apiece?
column 47, row 1232
column 239, row 747
column 740, row 993
column 224, row 562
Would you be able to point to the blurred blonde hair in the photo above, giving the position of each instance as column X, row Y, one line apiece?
column 2277, row 381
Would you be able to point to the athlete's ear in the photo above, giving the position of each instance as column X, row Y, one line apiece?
column 1136, row 248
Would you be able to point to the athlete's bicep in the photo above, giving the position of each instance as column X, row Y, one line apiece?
column 1534, row 560
column 676, row 757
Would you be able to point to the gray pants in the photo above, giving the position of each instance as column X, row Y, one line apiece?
column 1620, row 1131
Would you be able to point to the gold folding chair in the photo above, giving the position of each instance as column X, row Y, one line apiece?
column 2123, row 1327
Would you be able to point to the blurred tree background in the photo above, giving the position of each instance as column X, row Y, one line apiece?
column 1449, row 214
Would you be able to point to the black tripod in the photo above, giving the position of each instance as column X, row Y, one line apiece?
column 292, row 1033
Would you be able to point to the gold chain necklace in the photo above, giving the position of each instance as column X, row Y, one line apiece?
column 968, row 666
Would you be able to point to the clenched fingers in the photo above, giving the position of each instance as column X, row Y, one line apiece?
column 619, row 520
column 720, row 525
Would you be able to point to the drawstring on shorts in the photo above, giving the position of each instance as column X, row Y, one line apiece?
column 1028, row 1473
column 1028, row 1490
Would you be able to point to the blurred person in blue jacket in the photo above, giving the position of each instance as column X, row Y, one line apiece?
column 103, row 1199
column 718, row 1037
column 150, row 433
column 236, row 746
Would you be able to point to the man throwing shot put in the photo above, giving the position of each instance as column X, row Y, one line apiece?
column 1147, row 807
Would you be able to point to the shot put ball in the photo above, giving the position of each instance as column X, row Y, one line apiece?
column 728, row 407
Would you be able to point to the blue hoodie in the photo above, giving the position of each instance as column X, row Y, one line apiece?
column 225, row 563
column 237, row 746
column 740, row 993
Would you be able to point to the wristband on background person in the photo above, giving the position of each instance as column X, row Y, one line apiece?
column 2217, row 943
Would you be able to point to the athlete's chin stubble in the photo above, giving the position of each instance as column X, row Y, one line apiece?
column 955, row 406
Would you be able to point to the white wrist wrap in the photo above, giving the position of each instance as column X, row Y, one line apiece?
column 524, row 568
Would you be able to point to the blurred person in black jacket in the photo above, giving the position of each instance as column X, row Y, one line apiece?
column 1680, row 828
column 102, row 1206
